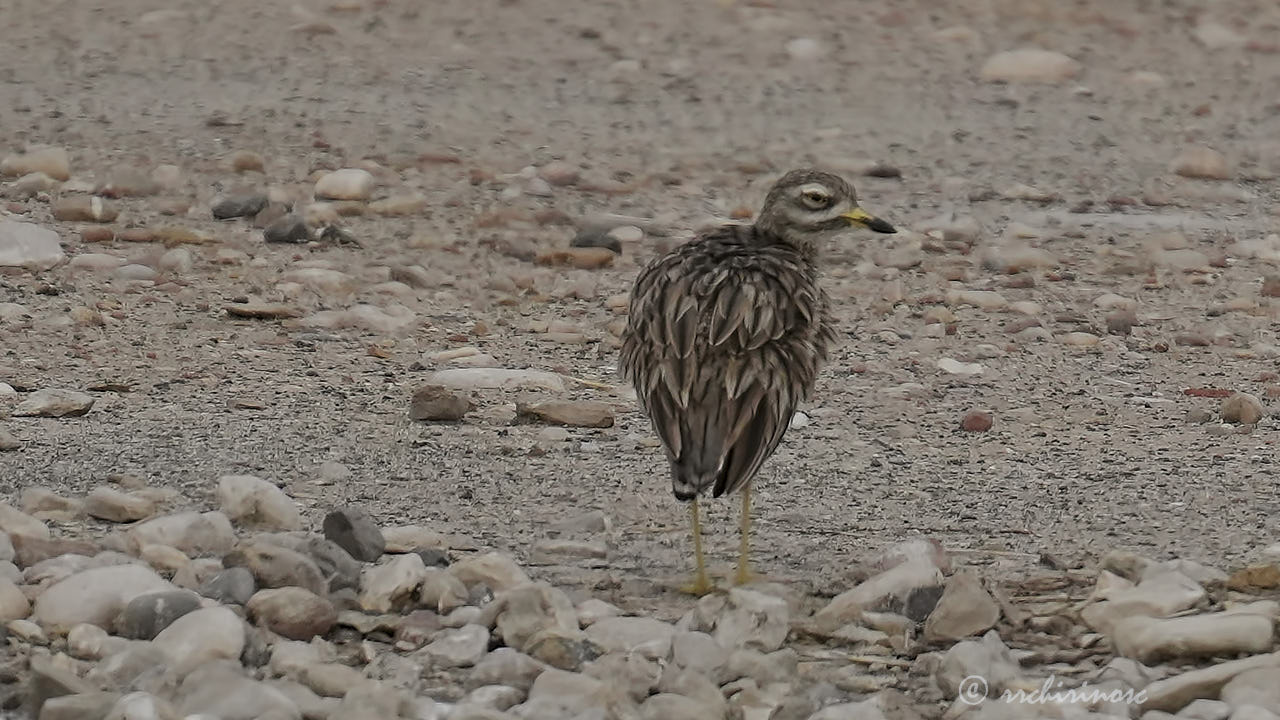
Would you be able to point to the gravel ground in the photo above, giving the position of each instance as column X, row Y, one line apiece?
column 683, row 112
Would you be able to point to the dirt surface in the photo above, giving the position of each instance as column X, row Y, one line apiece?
column 684, row 112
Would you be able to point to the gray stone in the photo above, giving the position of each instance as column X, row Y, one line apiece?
column 337, row 566
column 1173, row 693
column 201, row 637
column 30, row 246
column 647, row 636
column 289, row 229
column 81, row 706
column 557, row 694
column 108, row 503
column 505, row 666
column 274, row 566
column 331, row 679
column 254, row 502
column 353, row 530
column 196, row 534
column 1216, row 634
column 293, row 612
column 669, row 706
column 989, row 658
column 122, row 670
column 219, row 689
column 1259, row 687
column 146, row 615
column 463, row 647
column 964, row 609
column 436, row 403
column 95, row 596
column 54, row 402
column 1206, row 710
column 392, row 583
column 233, row 585
column 523, row 611
column 239, row 205
column 50, row 681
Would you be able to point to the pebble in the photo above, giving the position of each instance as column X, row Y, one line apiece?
column 178, row 261
column 965, row 609
column 220, row 690
column 557, row 694
column 570, row 413
column 646, row 636
column 1171, row 694
column 585, row 258
column 52, row 161
column 95, row 596
column 108, row 503
column 1121, row 321
column 805, row 49
column 463, row 647
column 29, row 246
column 1031, row 65
column 392, row 583
column 889, row 590
column 1203, row 162
column 1079, row 339
column 1148, row 640
column 331, row 679
column 292, row 612
column 19, row 525
column 496, row 379
column 353, row 530
column 147, row 615
column 254, row 502
column 55, row 403
column 988, row 658
column 1216, row 36
column 1259, row 687
column 274, row 566
column 13, row 603
column 125, row 182
column 239, row 205
column 261, row 311
column 952, row 366
column 1242, row 408
column 495, row 570
column 976, row 421
column 84, row 209
column 983, row 299
column 437, row 403
column 246, row 161
column 195, row 534
column 290, row 228
column 346, row 184
column 559, row 173
column 389, row 320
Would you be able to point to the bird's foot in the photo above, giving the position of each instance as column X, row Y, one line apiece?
column 698, row 585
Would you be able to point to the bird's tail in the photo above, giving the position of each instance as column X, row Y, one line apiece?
column 690, row 476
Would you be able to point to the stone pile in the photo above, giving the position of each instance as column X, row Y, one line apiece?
column 240, row 612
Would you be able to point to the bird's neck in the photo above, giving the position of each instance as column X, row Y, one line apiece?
column 764, row 234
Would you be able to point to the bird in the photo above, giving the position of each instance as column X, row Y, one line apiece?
column 725, row 336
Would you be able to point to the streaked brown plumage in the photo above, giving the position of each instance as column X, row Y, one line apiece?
column 726, row 335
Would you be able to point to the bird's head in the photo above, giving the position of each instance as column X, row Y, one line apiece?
column 806, row 206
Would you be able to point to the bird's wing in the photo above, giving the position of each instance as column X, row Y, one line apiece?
column 722, row 351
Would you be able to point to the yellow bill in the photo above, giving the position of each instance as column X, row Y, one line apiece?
column 858, row 216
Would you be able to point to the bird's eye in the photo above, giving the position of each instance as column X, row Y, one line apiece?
column 816, row 199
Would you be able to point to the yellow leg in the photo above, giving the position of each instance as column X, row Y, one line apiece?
column 701, row 585
column 744, row 546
